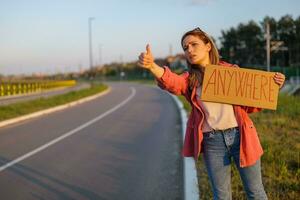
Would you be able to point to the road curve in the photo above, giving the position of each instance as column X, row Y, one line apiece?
column 103, row 149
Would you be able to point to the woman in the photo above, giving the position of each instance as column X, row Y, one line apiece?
column 221, row 131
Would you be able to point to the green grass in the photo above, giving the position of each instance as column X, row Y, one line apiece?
column 22, row 108
column 279, row 133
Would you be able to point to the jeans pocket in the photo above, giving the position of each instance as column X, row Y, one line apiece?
column 237, row 130
column 236, row 140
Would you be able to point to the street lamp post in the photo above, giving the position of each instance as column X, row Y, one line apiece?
column 90, row 42
column 268, row 37
column 100, row 55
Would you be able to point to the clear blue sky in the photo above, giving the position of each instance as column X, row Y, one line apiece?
column 52, row 35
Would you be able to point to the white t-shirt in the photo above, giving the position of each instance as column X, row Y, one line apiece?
column 218, row 116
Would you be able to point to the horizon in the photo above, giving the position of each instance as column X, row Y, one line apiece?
column 49, row 37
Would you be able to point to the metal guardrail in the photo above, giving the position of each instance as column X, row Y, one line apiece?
column 291, row 86
column 20, row 88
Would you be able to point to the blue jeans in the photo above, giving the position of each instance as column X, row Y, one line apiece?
column 219, row 147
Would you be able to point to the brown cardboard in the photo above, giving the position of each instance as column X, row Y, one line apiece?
column 240, row 86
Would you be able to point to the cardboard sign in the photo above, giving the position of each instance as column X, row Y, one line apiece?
column 239, row 86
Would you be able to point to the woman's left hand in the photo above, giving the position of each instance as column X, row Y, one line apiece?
column 279, row 78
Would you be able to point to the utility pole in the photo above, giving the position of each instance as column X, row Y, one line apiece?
column 100, row 55
column 90, row 42
column 268, row 38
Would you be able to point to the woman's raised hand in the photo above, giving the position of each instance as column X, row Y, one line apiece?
column 279, row 78
column 146, row 59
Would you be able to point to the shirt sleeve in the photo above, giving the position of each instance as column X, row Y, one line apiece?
column 173, row 83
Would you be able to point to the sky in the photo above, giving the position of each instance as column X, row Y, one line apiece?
column 42, row 36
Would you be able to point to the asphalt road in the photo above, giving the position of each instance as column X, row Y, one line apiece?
column 97, row 150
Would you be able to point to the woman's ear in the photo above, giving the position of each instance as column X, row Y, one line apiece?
column 208, row 46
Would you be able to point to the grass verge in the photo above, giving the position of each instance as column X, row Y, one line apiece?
column 279, row 133
column 22, row 108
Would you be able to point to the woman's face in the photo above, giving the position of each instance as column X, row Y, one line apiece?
column 196, row 51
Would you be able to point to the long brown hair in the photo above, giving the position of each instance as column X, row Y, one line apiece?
column 196, row 72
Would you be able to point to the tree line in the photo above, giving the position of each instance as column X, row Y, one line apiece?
column 246, row 44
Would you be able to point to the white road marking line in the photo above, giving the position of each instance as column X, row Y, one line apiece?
column 33, row 152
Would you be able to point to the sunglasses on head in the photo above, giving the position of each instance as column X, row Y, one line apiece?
column 197, row 30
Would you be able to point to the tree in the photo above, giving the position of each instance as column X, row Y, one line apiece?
column 244, row 45
column 229, row 43
column 250, row 43
column 287, row 34
column 297, row 42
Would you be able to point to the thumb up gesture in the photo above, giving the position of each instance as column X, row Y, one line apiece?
column 146, row 59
